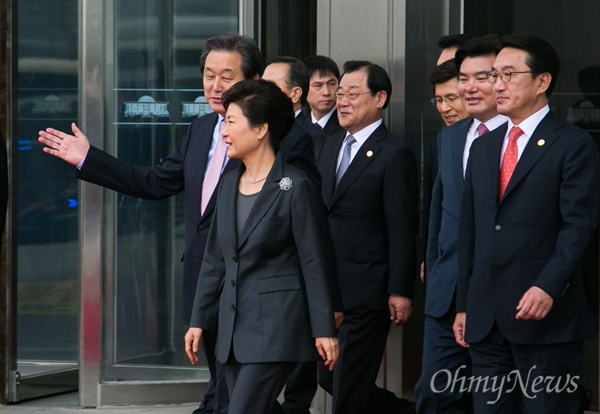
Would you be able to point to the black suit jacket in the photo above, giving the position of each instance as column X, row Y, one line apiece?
column 184, row 169
column 332, row 127
column 535, row 236
column 373, row 219
column 268, row 289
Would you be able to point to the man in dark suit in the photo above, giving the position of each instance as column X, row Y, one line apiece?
column 440, row 350
column 225, row 60
column 324, row 76
column 291, row 76
column 529, row 210
column 370, row 190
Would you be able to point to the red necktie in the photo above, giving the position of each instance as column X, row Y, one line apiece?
column 213, row 171
column 509, row 161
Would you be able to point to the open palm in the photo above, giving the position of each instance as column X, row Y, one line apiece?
column 71, row 148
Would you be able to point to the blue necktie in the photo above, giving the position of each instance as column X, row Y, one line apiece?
column 345, row 158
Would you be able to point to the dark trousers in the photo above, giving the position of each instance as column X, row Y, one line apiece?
column 253, row 388
column 362, row 337
column 300, row 388
column 216, row 397
column 542, row 377
column 443, row 360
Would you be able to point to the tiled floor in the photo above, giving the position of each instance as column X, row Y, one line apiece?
column 68, row 404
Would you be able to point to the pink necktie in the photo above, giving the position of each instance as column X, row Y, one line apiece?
column 482, row 129
column 213, row 171
column 509, row 161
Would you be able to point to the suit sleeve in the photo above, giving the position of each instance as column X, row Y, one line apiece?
column 317, row 259
column 579, row 204
column 205, row 312
column 161, row 181
column 434, row 221
column 400, row 201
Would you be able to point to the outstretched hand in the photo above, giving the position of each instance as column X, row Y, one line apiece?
column 71, row 148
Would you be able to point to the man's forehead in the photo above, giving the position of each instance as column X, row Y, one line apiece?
column 223, row 61
column 321, row 77
column 354, row 79
column 447, row 88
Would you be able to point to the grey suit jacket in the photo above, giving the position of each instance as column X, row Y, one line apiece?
column 268, row 291
column 442, row 244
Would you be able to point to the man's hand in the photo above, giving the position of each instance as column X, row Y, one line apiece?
column 71, row 148
column 400, row 309
column 192, row 342
column 459, row 329
column 329, row 349
column 534, row 305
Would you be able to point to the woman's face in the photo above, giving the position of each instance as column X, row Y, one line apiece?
column 241, row 138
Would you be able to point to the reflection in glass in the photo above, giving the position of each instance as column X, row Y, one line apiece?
column 47, row 197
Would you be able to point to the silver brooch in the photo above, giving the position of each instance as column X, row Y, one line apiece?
column 285, row 183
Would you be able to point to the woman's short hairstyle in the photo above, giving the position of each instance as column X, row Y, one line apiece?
column 262, row 102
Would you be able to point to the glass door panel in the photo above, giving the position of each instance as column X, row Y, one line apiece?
column 47, row 201
column 153, row 91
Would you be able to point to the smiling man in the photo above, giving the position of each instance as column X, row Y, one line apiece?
column 529, row 210
column 440, row 351
column 370, row 190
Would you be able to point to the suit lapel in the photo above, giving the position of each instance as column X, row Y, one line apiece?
column 330, row 151
column 269, row 193
column 494, row 142
column 542, row 139
column 365, row 155
column 458, row 148
column 227, row 217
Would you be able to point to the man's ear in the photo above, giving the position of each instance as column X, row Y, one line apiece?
column 544, row 80
column 296, row 95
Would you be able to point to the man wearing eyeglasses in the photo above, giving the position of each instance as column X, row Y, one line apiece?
column 440, row 350
column 369, row 185
column 529, row 210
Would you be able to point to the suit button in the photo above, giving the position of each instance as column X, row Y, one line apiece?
column 497, row 227
column 234, row 258
column 330, row 215
column 201, row 228
column 233, row 308
column 232, row 283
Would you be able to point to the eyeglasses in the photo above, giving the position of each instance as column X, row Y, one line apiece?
column 350, row 96
column 504, row 75
column 448, row 99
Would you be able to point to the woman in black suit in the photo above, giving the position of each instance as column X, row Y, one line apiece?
column 265, row 281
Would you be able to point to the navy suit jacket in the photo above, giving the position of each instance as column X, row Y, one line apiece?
column 373, row 219
column 442, row 243
column 184, row 169
column 535, row 236
column 268, row 289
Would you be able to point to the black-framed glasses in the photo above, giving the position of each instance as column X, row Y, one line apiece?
column 504, row 75
column 439, row 100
